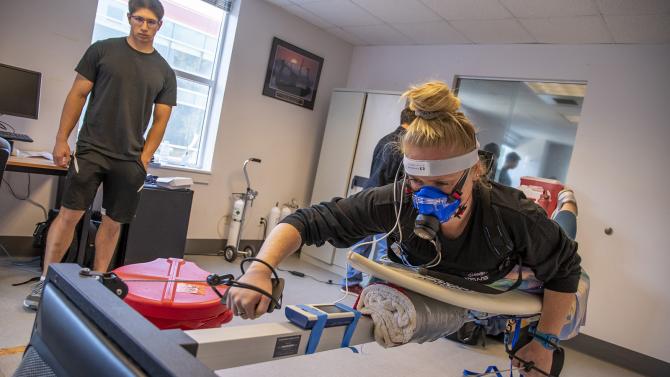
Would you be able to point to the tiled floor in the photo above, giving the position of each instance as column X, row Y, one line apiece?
column 440, row 358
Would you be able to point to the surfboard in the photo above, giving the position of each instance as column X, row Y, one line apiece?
column 511, row 303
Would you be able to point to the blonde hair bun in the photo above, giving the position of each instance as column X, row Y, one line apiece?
column 433, row 96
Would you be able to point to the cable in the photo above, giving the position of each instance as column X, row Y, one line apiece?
column 304, row 275
column 5, row 250
column 22, row 266
column 27, row 197
column 4, row 125
column 398, row 212
column 214, row 280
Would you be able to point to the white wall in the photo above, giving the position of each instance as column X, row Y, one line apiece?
column 51, row 36
column 287, row 138
column 618, row 167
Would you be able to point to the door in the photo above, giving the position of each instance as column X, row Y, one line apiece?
column 381, row 117
column 337, row 156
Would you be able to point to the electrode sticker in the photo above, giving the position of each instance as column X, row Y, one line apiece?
column 190, row 288
column 287, row 345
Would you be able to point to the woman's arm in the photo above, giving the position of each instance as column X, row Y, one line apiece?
column 283, row 241
column 342, row 222
column 556, row 307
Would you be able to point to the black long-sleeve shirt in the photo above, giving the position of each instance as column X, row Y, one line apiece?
column 541, row 243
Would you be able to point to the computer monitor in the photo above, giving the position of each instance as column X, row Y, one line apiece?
column 19, row 91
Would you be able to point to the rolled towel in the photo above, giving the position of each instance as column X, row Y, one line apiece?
column 401, row 316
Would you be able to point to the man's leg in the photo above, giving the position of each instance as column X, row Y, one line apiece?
column 59, row 239
column 105, row 243
column 81, row 184
column 61, row 233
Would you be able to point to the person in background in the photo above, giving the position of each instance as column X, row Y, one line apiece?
column 386, row 164
column 494, row 149
column 511, row 162
column 126, row 79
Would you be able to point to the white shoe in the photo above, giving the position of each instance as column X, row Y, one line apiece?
column 565, row 196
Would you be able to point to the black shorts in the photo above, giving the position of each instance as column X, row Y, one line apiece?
column 122, row 182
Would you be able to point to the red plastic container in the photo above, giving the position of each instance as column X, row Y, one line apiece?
column 544, row 186
column 171, row 305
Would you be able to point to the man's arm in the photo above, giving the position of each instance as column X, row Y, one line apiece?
column 74, row 103
column 161, row 116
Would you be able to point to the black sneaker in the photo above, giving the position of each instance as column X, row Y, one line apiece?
column 32, row 301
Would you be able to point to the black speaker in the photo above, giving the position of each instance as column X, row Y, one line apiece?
column 159, row 228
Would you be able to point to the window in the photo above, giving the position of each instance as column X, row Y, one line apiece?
column 190, row 40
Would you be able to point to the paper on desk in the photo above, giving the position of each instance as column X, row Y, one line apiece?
column 36, row 154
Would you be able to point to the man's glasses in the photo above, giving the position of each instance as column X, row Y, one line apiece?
column 139, row 21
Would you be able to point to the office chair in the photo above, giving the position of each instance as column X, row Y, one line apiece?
column 5, row 149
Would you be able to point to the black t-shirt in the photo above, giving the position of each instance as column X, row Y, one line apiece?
column 541, row 243
column 126, row 85
column 386, row 159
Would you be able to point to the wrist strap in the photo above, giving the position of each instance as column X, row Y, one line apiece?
column 548, row 341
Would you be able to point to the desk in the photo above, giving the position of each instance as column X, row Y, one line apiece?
column 37, row 165
column 34, row 165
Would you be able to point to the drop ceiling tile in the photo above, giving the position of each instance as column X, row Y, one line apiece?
column 468, row 9
column 568, row 30
column 633, row 7
column 406, row 11
column 378, row 35
column 342, row 13
column 550, row 8
column 432, row 33
column 653, row 28
column 345, row 35
column 308, row 16
column 493, row 31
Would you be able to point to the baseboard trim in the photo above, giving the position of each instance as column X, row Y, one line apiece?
column 617, row 355
column 19, row 246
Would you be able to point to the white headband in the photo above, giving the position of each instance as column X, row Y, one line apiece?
column 433, row 168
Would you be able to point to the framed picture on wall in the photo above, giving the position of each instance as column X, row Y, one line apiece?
column 292, row 74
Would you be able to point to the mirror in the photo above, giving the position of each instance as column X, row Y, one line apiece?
column 529, row 125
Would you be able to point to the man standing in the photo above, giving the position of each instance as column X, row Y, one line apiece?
column 511, row 162
column 386, row 160
column 126, row 78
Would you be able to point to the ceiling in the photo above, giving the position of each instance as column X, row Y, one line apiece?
column 426, row 22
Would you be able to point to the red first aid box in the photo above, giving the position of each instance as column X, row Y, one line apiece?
column 550, row 187
column 173, row 293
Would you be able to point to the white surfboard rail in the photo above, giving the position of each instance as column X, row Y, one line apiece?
column 514, row 302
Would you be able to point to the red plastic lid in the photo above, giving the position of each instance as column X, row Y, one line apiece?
column 171, row 300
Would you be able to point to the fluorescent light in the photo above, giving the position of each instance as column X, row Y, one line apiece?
column 558, row 89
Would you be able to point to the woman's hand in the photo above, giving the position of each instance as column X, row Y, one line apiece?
column 539, row 355
column 247, row 303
